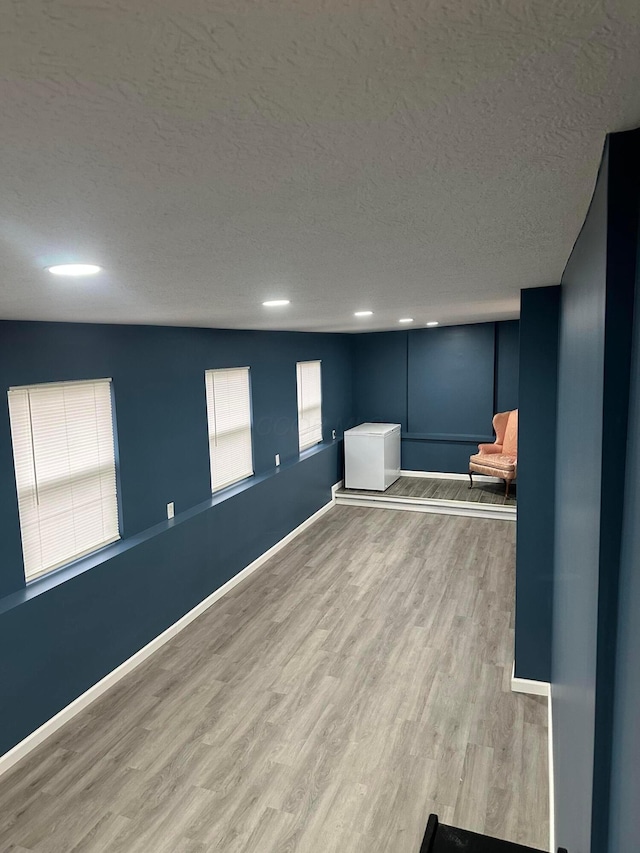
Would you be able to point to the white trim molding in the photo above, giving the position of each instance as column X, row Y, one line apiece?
column 20, row 750
column 470, row 509
column 442, row 475
column 528, row 685
column 542, row 688
column 552, row 793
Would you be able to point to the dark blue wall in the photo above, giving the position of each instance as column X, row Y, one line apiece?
column 81, row 624
column 579, row 472
column 593, row 395
column 443, row 385
column 624, row 832
column 158, row 382
column 622, row 272
column 451, row 380
column 507, row 392
column 538, row 389
column 380, row 377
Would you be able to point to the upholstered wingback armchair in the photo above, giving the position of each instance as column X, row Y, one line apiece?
column 499, row 459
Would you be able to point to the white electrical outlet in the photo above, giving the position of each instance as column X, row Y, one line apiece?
column 170, row 510
column 277, row 459
column 333, row 433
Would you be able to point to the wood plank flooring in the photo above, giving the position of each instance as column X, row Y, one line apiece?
column 357, row 682
column 445, row 490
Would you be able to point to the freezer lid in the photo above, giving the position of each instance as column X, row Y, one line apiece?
column 372, row 429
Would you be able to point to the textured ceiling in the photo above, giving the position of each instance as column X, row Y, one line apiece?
column 421, row 158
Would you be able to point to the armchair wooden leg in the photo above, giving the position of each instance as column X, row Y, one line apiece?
column 471, row 479
column 506, row 488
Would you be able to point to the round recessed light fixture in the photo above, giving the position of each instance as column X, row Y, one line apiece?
column 362, row 313
column 74, row 270
column 276, row 303
column 406, row 320
column 432, row 323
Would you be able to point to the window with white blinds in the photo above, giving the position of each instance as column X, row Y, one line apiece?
column 309, row 403
column 229, row 418
column 64, row 459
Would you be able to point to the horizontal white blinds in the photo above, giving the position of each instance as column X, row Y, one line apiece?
column 65, row 470
column 229, row 418
column 309, row 403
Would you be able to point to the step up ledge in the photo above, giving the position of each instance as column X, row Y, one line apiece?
column 469, row 509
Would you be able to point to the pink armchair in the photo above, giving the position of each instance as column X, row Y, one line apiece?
column 499, row 459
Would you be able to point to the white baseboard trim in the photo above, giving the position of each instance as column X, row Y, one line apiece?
column 20, row 750
column 552, row 795
column 441, row 475
column 542, row 688
column 528, row 685
column 470, row 509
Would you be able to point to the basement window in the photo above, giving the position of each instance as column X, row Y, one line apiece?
column 229, row 420
column 65, row 469
column 309, row 377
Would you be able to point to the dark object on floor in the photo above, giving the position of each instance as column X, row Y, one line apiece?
column 440, row 838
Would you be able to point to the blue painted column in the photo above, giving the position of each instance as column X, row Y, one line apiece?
column 538, row 391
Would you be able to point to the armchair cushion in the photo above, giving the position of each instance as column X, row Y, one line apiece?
column 496, row 464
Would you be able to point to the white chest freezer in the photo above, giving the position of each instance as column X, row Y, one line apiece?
column 372, row 456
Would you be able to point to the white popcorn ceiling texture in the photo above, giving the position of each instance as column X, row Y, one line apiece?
column 422, row 158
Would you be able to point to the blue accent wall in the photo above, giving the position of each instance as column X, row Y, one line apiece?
column 539, row 317
column 624, row 830
column 451, row 380
column 622, row 274
column 380, row 377
column 443, row 385
column 67, row 630
column 507, row 392
column 578, row 483
column 596, row 314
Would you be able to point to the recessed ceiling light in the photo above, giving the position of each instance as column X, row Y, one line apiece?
column 406, row 320
column 74, row 270
column 432, row 323
column 276, row 303
column 362, row 313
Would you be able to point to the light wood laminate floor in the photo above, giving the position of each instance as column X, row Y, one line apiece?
column 444, row 490
column 357, row 682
